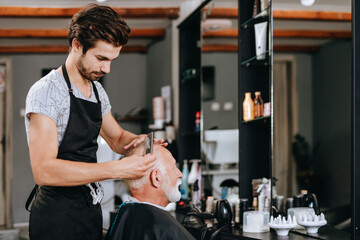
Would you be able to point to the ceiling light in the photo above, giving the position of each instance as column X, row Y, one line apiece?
column 216, row 24
column 307, row 3
column 101, row 1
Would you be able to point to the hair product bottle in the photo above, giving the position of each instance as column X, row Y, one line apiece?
column 184, row 184
column 258, row 105
column 248, row 107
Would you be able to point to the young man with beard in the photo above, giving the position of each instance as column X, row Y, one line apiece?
column 145, row 216
column 65, row 112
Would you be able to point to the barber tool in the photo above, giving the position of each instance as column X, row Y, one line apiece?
column 312, row 222
column 150, row 143
column 281, row 225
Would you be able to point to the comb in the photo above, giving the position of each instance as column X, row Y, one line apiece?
column 149, row 146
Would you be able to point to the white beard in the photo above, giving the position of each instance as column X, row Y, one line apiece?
column 171, row 192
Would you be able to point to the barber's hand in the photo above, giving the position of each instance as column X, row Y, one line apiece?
column 136, row 141
column 135, row 167
column 161, row 142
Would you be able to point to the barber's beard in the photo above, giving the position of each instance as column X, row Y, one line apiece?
column 87, row 74
column 171, row 192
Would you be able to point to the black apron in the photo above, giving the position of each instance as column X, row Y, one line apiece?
column 68, row 212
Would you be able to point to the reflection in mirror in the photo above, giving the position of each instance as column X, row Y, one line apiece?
column 219, row 106
column 312, row 115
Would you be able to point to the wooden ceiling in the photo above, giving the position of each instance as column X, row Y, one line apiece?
column 156, row 32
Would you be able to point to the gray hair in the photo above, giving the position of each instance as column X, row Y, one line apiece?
column 140, row 150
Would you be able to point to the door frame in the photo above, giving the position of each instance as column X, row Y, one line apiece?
column 8, row 136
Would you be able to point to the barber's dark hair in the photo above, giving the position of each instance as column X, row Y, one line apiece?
column 95, row 23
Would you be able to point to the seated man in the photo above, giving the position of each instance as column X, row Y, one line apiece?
column 145, row 217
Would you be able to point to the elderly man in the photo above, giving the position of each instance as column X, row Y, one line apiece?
column 145, row 216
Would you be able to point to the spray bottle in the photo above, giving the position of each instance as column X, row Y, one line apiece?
column 195, row 201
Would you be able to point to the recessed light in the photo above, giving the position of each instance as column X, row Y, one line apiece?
column 307, row 3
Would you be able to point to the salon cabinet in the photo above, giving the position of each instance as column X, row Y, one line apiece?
column 189, row 137
column 255, row 153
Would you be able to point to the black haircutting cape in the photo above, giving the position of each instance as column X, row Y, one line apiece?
column 138, row 221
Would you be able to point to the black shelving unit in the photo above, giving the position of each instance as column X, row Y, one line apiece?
column 255, row 151
column 355, row 123
column 189, row 143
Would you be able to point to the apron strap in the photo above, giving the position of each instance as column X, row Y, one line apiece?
column 95, row 91
column 66, row 76
column 31, row 197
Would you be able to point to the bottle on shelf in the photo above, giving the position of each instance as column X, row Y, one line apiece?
column 248, row 107
column 255, row 204
column 258, row 105
column 184, row 187
column 197, row 121
column 195, row 200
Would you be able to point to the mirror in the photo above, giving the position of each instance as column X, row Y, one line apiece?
column 219, row 105
column 312, row 105
column 312, row 116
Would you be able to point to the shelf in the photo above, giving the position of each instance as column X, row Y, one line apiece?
column 256, row 119
column 254, row 61
column 259, row 16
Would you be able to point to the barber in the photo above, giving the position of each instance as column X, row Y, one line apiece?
column 65, row 112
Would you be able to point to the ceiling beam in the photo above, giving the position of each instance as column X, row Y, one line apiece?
column 327, row 34
column 62, row 33
column 224, row 33
column 277, row 48
column 167, row 13
column 219, row 12
column 173, row 13
column 296, row 48
column 61, row 49
column 219, row 48
column 283, row 33
column 311, row 15
column 287, row 14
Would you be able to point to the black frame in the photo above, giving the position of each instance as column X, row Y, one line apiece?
column 355, row 121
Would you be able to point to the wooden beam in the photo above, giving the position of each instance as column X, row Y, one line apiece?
column 173, row 13
column 147, row 33
column 222, row 12
column 283, row 33
column 62, row 33
column 311, row 15
column 287, row 14
column 219, row 48
column 33, row 33
column 34, row 49
column 61, row 49
column 296, row 48
column 167, row 13
column 277, row 48
column 226, row 33
column 331, row 34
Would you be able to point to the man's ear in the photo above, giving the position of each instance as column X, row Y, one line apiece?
column 76, row 45
column 155, row 178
